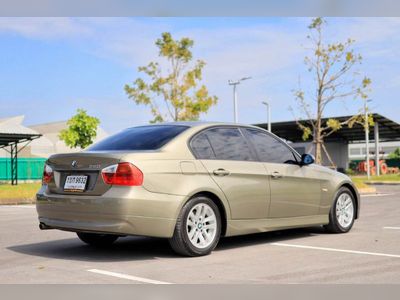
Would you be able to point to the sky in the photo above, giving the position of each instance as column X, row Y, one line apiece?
column 50, row 67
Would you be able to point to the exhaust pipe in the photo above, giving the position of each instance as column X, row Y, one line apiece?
column 43, row 226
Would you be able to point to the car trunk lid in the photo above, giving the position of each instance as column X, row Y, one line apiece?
column 87, row 164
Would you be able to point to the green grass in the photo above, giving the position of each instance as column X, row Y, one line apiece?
column 22, row 191
column 391, row 177
column 360, row 181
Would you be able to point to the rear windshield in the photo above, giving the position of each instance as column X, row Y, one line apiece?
column 140, row 138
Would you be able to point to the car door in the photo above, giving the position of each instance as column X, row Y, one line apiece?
column 232, row 164
column 295, row 190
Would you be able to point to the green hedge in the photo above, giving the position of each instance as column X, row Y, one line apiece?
column 394, row 162
column 28, row 168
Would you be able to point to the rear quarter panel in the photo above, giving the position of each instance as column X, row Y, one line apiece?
column 182, row 177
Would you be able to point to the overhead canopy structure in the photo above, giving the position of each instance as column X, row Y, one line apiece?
column 388, row 130
column 383, row 130
column 8, row 139
column 12, row 140
column 12, row 133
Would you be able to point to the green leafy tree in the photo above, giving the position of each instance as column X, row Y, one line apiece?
column 177, row 88
column 332, row 67
column 81, row 130
column 395, row 154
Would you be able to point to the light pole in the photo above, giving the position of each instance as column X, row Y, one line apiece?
column 235, row 83
column 367, row 137
column 266, row 103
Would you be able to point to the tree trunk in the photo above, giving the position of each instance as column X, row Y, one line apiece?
column 318, row 150
column 328, row 156
column 318, row 137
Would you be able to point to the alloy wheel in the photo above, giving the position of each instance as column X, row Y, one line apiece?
column 344, row 210
column 201, row 225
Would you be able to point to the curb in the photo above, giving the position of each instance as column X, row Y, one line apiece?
column 16, row 201
column 367, row 191
column 382, row 182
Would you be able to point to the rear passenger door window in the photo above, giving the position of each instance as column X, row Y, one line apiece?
column 222, row 144
column 231, row 163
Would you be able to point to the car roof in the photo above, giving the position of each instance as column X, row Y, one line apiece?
column 196, row 124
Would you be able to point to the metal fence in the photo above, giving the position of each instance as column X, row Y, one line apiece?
column 28, row 168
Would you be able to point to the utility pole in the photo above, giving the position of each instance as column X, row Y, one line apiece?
column 235, row 108
column 376, row 135
column 266, row 103
column 367, row 137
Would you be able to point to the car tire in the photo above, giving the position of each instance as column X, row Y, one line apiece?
column 342, row 213
column 96, row 239
column 198, row 228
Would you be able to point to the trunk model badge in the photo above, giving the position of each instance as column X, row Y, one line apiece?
column 74, row 164
column 98, row 166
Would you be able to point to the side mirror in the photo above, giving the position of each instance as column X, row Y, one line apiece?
column 307, row 159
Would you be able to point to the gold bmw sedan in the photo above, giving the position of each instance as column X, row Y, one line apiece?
column 192, row 183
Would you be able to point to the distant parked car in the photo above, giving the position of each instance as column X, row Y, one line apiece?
column 191, row 183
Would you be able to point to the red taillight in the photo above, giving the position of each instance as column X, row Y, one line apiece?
column 47, row 174
column 122, row 174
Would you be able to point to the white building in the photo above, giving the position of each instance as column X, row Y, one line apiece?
column 358, row 151
column 49, row 143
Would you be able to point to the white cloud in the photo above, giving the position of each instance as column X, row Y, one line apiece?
column 235, row 50
column 270, row 52
column 263, row 52
column 131, row 41
column 371, row 30
column 254, row 51
column 375, row 37
column 45, row 28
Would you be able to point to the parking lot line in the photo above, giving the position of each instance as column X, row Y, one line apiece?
column 17, row 206
column 376, row 195
column 336, row 250
column 393, row 228
column 129, row 277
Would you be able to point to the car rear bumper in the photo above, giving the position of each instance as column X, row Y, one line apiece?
column 121, row 210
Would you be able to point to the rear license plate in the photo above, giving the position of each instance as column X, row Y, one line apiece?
column 75, row 183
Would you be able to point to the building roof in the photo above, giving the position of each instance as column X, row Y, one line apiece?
column 12, row 131
column 14, row 125
column 49, row 127
column 388, row 130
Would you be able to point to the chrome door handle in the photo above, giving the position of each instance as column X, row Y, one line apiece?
column 221, row 172
column 276, row 175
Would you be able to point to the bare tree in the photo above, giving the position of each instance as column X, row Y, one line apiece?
column 332, row 67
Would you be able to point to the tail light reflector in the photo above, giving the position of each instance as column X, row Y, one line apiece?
column 47, row 174
column 122, row 174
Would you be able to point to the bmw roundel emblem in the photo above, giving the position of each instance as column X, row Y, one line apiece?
column 74, row 164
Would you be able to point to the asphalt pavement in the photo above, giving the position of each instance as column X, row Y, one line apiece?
column 370, row 253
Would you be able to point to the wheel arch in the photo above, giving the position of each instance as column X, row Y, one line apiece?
column 356, row 196
column 220, row 205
